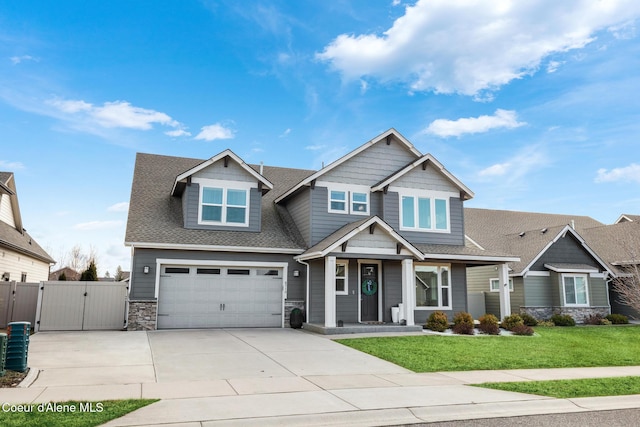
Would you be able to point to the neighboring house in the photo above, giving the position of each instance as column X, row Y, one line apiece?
column 69, row 274
column 619, row 246
column 220, row 243
column 561, row 270
column 21, row 258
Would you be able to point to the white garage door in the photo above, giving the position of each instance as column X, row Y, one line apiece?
column 219, row 297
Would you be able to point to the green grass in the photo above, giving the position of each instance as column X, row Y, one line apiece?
column 49, row 416
column 565, row 389
column 549, row 348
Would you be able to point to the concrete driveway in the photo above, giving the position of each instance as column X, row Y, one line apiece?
column 157, row 359
column 271, row 376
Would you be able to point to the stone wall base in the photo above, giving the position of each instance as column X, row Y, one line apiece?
column 142, row 315
column 579, row 314
column 290, row 305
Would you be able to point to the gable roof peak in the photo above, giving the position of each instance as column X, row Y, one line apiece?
column 225, row 156
column 388, row 136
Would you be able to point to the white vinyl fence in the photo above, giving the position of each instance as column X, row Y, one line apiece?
column 18, row 302
column 81, row 306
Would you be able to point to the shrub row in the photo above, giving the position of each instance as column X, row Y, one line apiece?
column 518, row 324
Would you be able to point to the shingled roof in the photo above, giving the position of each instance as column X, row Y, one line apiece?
column 618, row 244
column 525, row 234
column 155, row 217
column 16, row 238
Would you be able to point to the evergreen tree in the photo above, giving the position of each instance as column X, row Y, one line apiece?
column 62, row 276
column 91, row 273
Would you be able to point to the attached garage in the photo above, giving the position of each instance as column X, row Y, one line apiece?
column 220, row 296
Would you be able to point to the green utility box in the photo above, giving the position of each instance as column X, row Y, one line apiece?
column 17, row 346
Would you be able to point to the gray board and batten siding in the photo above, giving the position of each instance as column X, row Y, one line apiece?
column 566, row 250
column 191, row 204
column 143, row 285
column 371, row 165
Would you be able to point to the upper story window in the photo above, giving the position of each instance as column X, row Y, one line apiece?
column 424, row 212
column 575, row 289
column 348, row 200
column 223, row 203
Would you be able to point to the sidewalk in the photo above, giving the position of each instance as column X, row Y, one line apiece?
column 366, row 400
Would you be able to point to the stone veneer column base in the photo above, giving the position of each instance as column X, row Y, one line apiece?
column 290, row 305
column 579, row 314
column 142, row 315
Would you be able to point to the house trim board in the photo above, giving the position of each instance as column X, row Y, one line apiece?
column 214, row 248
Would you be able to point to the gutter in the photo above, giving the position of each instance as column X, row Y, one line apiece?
column 306, row 299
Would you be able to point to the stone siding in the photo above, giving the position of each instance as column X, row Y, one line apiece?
column 289, row 305
column 142, row 315
column 579, row 314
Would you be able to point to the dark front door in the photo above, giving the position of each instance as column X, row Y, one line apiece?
column 369, row 288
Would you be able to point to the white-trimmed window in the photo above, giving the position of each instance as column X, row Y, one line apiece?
column 424, row 212
column 338, row 201
column 575, row 289
column 224, row 203
column 433, row 286
column 342, row 280
column 494, row 285
column 349, row 200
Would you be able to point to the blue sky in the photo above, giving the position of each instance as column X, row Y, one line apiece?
column 533, row 105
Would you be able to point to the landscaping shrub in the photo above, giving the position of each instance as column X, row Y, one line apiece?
column 437, row 321
column 528, row 319
column 596, row 319
column 546, row 323
column 489, row 324
column 463, row 324
column 618, row 319
column 563, row 320
column 522, row 329
column 512, row 321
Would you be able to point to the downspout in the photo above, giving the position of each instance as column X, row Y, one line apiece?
column 306, row 299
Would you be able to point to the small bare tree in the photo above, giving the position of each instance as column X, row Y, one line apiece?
column 627, row 281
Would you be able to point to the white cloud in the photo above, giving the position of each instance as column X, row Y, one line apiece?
column 513, row 171
column 315, row 147
column 119, row 207
column 11, row 166
column 97, row 225
column 15, row 60
column 553, row 66
column 461, row 46
column 117, row 114
column 285, row 133
column 501, row 119
column 215, row 131
column 625, row 174
column 178, row 132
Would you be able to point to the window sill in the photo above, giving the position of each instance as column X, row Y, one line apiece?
column 425, row 308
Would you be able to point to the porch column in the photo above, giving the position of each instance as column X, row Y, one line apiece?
column 408, row 291
column 330, row 292
column 505, row 295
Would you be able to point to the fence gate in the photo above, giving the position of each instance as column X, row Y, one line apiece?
column 81, row 306
column 18, row 302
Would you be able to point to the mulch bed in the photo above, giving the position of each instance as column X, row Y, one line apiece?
column 12, row 378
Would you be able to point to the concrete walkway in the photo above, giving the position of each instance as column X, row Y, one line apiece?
column 274, row 377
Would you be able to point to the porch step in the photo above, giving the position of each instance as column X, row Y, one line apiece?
column 360, row 328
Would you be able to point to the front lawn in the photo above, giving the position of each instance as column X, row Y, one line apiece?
column 567, row 389
column 550, row 348
column 68, row 414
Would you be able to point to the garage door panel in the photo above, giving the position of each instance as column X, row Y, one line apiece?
column 210, row 297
